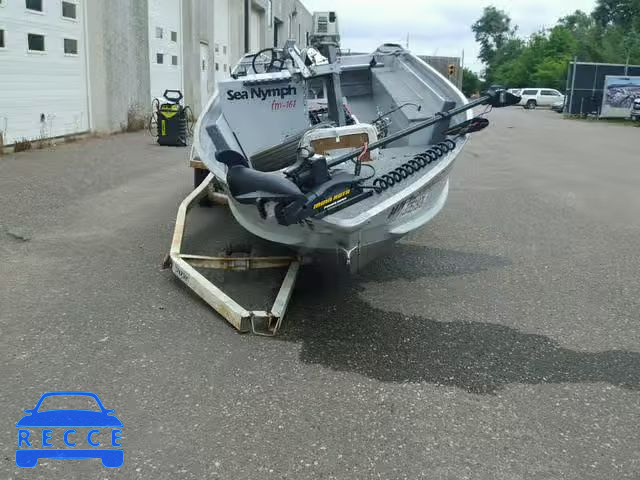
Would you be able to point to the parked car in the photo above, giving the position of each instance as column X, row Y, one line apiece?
column 635, row 110
column 558, row 106
column 540, row 97
column 515, row 91
column 495, row 86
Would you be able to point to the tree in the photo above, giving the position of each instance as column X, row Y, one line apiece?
column 631, row 46
column 576, row 20
column 492, row 31
column 551, row 73
column 586, row 34
column 561, row 43
column 610, row 34
column 470, row 82
column 619, row 13
column 508, row 66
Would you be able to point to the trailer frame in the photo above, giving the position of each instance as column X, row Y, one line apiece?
column 184, row 265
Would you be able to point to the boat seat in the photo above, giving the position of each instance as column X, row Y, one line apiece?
column 247, row 185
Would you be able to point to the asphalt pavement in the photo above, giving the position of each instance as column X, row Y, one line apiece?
column 501, row 342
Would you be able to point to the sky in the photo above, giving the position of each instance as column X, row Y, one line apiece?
column 436, row 27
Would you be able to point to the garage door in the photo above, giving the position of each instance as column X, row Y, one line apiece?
column 165, row 46
column 43, row 73
column 256, row 29
column 221, row 36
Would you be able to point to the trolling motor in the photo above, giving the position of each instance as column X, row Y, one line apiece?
column 309, row 189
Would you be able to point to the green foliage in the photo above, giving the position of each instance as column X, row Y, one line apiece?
column 610, row 34
column 470, row 82
column 550, row 73
column 492, row 31
column 619, row 13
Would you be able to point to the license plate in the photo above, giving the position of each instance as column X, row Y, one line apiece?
column 409, row 205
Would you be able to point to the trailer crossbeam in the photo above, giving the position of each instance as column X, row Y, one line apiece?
column 184, row 267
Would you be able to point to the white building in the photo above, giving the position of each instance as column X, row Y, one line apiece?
column 75, row 66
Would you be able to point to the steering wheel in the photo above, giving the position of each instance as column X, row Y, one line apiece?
column 271, row 66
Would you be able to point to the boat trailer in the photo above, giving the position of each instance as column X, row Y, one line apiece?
column 184, row 267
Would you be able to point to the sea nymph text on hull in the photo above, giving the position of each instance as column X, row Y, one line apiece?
column 261, row 93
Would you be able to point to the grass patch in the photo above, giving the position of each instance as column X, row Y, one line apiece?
column 613, row 121
column 22, row 145
column 136, row 120
column 44, row 143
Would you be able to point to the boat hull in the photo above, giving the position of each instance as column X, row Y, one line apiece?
column 355, row 244
column 360, row 233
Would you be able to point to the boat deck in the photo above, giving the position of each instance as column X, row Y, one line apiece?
column 388, row 160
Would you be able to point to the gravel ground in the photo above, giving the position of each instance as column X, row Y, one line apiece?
column 500, row 342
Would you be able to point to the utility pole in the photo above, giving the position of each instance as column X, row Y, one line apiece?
column 461, row 79
column 626, row 66
column 573, row 85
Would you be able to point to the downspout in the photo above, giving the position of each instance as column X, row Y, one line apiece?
column 87, row 70
column 247, row 11
column 181, row 39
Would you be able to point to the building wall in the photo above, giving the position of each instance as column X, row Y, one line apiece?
column 199, row 20
column 441, row 64
column 118, row 63
column 197, row 27
column 305, row 20
column 236, row 30
column 258, row 24
column 165, row 46
column 119, row 74
column 43, row 84
column 301, row 22
column 118, row 54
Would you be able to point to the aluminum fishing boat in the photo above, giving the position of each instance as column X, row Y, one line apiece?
column 338, row 154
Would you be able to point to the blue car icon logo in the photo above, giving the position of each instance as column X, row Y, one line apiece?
column 98, row 429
